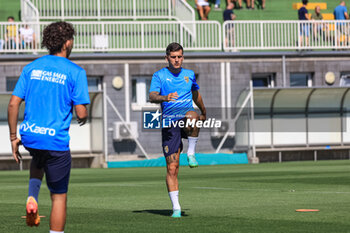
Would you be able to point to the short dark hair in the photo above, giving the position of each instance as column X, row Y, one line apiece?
column 56, row 35
column 173, row 47
column 11, row 17
column 305, row 2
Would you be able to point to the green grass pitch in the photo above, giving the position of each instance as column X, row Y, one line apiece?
column 237, row 198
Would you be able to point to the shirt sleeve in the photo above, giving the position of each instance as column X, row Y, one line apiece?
column 80, row 93
column 155, row 83
column 195, row 86
column 305, row 11
column 21, row 86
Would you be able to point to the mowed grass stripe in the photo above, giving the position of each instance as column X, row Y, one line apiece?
column 230, row 198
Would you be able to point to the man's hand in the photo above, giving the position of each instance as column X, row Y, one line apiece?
column 172, row 97
column 154, row 97
column 82, row 114
column 15, row 153
column 81, row 122
column 202, row 117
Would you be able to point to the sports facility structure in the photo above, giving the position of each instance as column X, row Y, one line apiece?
column 281, row 96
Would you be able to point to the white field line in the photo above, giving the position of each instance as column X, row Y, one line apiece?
column 25, row 186
column 114, row 184
column 274, row 190
column 205, row 188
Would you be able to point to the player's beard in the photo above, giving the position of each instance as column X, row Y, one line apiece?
column 69, row 50
column 174, row 69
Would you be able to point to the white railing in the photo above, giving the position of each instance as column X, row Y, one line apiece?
column 179, row 10
column 113, row 9
column 29, row 13
column 12, row 41
column 117, row 36
column 284, row 35
column 183, row 12
column 120, row 36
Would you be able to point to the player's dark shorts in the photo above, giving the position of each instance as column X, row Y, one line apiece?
column 172, row 139
column 56, row 165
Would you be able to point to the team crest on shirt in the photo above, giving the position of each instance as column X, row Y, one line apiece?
column 187, row 79
column 166, row 149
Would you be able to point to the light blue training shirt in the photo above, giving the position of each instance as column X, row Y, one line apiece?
column 339, row 12
column 165, row 82
column 50, row 86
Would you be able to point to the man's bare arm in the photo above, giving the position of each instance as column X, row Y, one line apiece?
column 82, row 114
column 233, row 16
column 12, row 117
column 197, row 98
column 154, row 97
column 307, row 16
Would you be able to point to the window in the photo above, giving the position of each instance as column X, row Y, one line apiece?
column 301, row 79
column 140, row 89
column 11, row 83
column 94, row 83
column 344, row 79
column 264, row 80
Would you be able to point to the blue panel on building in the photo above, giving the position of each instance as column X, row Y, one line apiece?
column 203, row 159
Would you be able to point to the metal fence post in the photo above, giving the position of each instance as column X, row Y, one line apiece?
column 134, row 9
column 98, row 9
column 62, row 10
column 171, row 8
column 252, row 131
column 261, row 35
column 105, row 124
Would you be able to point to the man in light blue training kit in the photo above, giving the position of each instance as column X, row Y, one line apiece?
column 341, row 13
column 175, row 88
column 51, row 87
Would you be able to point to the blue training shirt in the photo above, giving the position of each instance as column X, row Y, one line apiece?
column 165, row 82
column 50, row 86
column 339, row 12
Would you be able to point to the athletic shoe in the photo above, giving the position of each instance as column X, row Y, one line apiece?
column 33, row 218
column 192, row 162
column 176, row 214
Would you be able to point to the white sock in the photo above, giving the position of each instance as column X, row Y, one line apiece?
column 192, row 141
column 56, row 231
column 174, row 197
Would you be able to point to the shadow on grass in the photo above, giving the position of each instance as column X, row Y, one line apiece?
column 160, row 212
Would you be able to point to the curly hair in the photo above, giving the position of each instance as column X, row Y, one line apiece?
column 55, row 35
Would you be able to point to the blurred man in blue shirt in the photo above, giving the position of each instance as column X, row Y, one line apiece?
column 341, row 13
column 51, row 87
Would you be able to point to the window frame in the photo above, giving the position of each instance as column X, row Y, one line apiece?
column 309, row 81
column 270, row 78
column 141, row 90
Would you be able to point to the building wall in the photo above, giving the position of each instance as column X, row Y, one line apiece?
column 208, row 68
